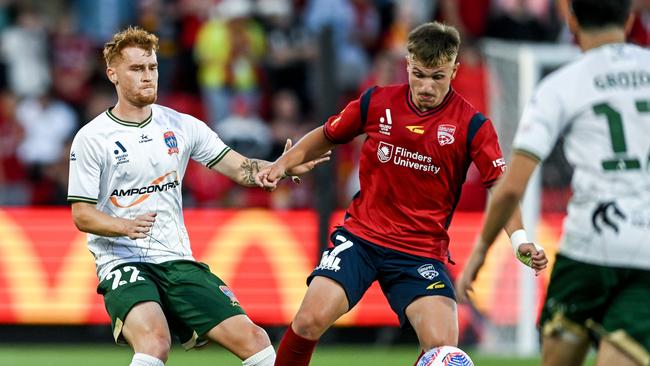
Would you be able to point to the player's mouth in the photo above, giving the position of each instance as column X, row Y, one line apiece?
column 426, row 97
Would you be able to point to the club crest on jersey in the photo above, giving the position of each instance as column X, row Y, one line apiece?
column 446, row 134
column 171, row 142
column 384, row 151
column 231, row 295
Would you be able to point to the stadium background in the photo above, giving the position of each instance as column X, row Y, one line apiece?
column 257, row 72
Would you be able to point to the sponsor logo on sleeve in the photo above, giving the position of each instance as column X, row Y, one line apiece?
column 499, row 163
column 73, row 156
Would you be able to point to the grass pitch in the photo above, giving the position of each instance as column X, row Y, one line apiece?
column 111, row 355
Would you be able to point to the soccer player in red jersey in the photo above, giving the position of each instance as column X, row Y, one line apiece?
column 421, row 138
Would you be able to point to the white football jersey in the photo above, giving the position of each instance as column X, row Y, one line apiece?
column 128, row 169
column 600, row 105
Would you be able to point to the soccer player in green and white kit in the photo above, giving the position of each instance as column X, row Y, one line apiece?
column 126, row 169
column 600, row 105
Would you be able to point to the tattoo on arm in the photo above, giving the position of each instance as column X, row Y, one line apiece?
column 250, row 168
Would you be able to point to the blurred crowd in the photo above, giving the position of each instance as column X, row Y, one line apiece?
column 248, row 68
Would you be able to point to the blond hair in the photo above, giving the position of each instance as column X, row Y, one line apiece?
column 130, row 37
column 433, row 44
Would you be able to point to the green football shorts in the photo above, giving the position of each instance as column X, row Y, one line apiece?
column 193, row 299
column 617, row 298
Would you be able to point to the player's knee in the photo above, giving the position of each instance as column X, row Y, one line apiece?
column 156, row 344
column 253, row 339
column 309, row 325
column 564, row 329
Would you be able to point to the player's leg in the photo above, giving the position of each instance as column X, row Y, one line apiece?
column 571, row 299
column 245, row 339
column 324, row 302
column 204, row 305
column 146, row 330
column 625, row 331
column 564, row 342
column 335, row 286
column 133, row 303
column 611, row 354
column 435, row 320
column 421, row 293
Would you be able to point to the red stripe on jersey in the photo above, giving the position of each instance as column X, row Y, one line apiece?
column 412, row 167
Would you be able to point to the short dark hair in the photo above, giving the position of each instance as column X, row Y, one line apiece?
column 433, row 44
column 594, row 14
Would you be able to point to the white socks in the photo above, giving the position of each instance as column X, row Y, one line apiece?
column 265, row 357
column 143, row 359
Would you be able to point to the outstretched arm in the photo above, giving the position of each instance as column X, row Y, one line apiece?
column 503, row 212
column 312, row 146
column 243, row 170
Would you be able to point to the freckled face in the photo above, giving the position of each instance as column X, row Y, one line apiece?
column 136, row 74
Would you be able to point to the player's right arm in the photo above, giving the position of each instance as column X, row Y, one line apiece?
column 338, row 129
column 313, row 145
column 89, row 219
column 86, row 167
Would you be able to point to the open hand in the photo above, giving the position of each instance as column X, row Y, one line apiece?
column 269, row 176
column 139, row 227
column 468, row 275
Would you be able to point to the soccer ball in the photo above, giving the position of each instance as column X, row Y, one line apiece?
column 445, row 356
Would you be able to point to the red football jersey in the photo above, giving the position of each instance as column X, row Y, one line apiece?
column 412, row 166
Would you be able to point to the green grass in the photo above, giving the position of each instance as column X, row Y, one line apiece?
column 111, row 355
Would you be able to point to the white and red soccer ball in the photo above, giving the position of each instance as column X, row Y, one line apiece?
column 445, row 356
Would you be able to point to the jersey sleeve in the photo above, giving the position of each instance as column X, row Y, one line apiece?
column 85, row 170
column 484, row 149
column 345, row 126
column 207, row 147
column 541, row 123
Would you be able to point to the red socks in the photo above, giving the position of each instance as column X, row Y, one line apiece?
column 294, row 350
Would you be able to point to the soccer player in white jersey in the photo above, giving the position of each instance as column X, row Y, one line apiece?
column 126, row 169
column 600, row 105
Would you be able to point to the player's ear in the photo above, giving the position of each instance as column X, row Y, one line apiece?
column 110, row 73
column 455, row 70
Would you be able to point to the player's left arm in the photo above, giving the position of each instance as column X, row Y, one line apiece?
column 503, row 207
column 503, row 212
